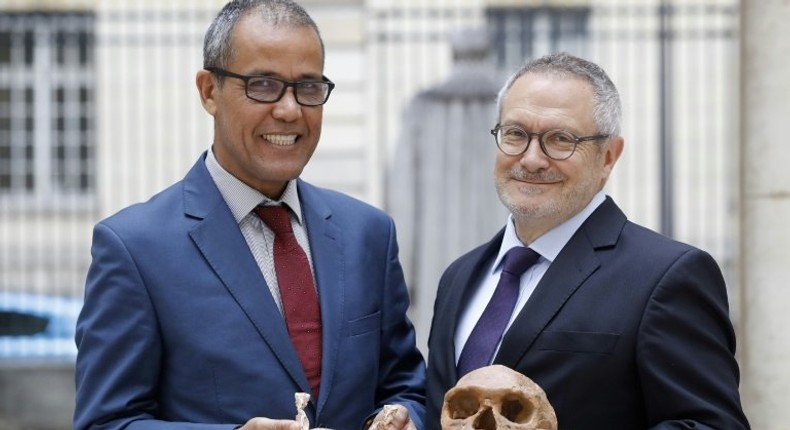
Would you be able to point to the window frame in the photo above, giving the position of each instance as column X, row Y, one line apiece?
column 48, row 77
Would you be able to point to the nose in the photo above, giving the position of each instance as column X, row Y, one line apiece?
column 287, row 109
column 534, row 158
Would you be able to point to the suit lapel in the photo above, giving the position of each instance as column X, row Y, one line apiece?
column 328, row 262
column 565, row 275
column 575, row 263
column 467, row 278
column 219, row 239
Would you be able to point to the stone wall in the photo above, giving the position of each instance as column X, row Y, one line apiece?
column 36, row 396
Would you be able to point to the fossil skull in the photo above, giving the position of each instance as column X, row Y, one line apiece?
column 497, row 398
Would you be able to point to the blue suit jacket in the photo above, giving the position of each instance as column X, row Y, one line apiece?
column 626, row 330
column 179, row 327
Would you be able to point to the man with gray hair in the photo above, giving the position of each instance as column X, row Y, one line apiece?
column 622, row 327
column 241, row 290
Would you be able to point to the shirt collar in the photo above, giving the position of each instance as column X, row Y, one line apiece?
column 550, row 243
column 242, row 199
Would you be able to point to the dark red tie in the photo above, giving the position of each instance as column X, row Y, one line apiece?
column 481, row 345
column 298, row 293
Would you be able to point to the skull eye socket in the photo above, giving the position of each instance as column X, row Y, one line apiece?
column 465, row 405
column 516, row 410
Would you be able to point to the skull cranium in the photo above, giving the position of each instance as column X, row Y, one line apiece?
column 497, row 398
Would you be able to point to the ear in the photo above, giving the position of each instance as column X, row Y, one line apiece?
column 611, row 153
column 208, row 90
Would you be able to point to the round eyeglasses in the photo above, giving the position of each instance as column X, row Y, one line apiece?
column 266, row 89
column 556, row 144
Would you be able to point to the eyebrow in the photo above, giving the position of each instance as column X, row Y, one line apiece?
column 531, row 130
column 270, row 74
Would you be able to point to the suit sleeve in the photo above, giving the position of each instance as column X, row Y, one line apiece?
column 119, row 345
column 686, row 350
column 402, row 376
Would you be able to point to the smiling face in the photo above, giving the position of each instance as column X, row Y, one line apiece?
column 542, row 193
column 265, row 144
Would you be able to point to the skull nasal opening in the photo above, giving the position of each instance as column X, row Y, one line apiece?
column 485, row 421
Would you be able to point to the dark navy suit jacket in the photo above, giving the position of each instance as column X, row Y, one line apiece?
column 179, row 327
column 626, row 330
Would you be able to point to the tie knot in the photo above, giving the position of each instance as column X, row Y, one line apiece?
column 519, row 259
column 276, row 217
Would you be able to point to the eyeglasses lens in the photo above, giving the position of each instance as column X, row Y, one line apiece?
column 270, row 90
column 559, row 144
column 556, row 144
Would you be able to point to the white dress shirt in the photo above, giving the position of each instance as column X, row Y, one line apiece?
column 242, row 199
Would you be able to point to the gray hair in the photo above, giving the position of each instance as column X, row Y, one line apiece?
column 607, row 111
column 217, row 44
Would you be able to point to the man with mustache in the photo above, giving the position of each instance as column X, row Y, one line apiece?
column 622, row 327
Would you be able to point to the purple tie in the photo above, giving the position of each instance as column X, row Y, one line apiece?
column 479, row 349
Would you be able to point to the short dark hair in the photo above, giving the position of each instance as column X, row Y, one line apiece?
column 217, row 43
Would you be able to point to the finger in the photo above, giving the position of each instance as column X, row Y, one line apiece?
column 400, row 418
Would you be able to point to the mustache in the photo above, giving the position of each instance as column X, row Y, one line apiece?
column 523, row 175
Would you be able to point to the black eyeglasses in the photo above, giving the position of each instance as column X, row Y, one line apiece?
column 266, row 89
column 556, row 144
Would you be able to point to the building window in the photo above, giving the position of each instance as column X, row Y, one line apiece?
column 521, row 33
column 47, row 115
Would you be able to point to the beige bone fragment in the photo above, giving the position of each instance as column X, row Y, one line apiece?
column 302, row 399
column 384, row 418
